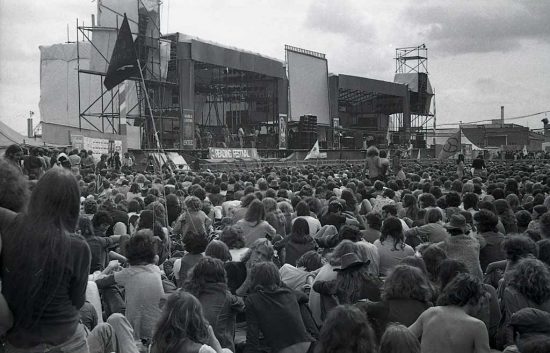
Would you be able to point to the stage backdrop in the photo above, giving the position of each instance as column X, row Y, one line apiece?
column 308, row 82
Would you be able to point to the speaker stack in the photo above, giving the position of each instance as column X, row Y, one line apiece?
column 307, row 132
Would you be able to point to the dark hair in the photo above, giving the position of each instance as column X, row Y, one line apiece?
column 102, row 217
column 470, row 200
column 207, row 270
column 428, row 200
column 264, row 275
column 411, row 204
column 390, row 209
column 544, row 251
column 195, row 243
column 531, row 277
column 449, row 269
column 462, row 290
column 393, row 228
column 453, row 199
column 398, row 338
column 218, row 250
column 141, row 248
column 406, row 282
column 14, row 190
column 486, row 221
column 517, row 247
column 232, row 237
column 374, row 220
column 182, row 319
column 85, row 227
column 350, row 232
column 311, row 261
column 302, row 209
column 433, row 256
column 346, row 330
column 255, row 212
column 43, row 235
column 433, row 215
column 300, row 231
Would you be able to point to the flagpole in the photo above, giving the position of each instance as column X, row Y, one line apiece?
column 149, row 106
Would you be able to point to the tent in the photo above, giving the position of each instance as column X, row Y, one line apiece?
column 9, row 136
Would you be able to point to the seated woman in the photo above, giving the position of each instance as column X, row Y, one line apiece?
column 297, row 243
column 254, row 226
column 208, row 283
column 142, row 283
column 391, row 246
column 405, row 296
column 184, row 328
column 273, row 311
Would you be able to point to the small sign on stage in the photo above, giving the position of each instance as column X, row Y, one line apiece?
column 233, row 153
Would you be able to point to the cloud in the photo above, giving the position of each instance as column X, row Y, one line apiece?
column 341, row 18
column 479, row 26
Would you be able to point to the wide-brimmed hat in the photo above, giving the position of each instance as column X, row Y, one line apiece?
column 350, row 260
column 457, row 222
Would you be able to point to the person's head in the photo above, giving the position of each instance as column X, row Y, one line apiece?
column 182, row 319
column 310, row 261
column 264, row 275
column 232, row 237
column 433, row 215
column 102, row 220
column 141, row 248
column 260, row 250
column 346, row 330
column 255, row 212
column 406, row 282
column 374, row 220
column 14, row 153
column 531, row 278
column 457, row 225
column 545, row 225
column 392, row 230
column 529, row 325
column 350, row 232
column 433, row 256
column 372, row 151
column 485, row 221
column 470, row 201
column 208, row 270
column 389, row 211
column 270, row 205
column 193, row 204
column 449, row 269
column 409, row 200
column 464, row 291
column 426, row 200
column 14, row 190
column 518, row 247
column 523, row 218
column 544, row 251
column 218, row 250
column 85, row 227
column 398, row 339
column 195, row 242
column 300, row 231
column 302, row 209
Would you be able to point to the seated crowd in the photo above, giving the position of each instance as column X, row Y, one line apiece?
column 277, row 259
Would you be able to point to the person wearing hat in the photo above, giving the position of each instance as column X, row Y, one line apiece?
column 529, row 326
column 353, row 281
column 461, row 246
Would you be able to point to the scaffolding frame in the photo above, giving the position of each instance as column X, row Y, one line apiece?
column 108, row 120
column 413, row 60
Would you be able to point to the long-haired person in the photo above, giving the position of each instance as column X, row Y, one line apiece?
column 184, row 328
column 297, row 243
column 254, row 226
column 208, row 283
column 273, row 311
column 398, row 339
column 346, row 330
column 45, row 268
column 391, row 245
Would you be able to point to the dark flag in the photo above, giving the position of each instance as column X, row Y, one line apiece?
column 123, row 64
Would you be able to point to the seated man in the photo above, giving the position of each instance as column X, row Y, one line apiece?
column 450, row 326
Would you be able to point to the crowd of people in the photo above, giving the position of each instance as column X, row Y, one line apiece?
column 391, row 256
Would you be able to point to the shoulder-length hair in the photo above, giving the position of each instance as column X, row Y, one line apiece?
column 218, row 250
column 399, row 339
column 346, row 330
column 182, row 319
column 255, row 212
column 270, row 204
column 207, row 271
column 531, row 277
column 43, row 234
column 406, row 282
column 264, row 275
column 300, row 231
column 393, row 229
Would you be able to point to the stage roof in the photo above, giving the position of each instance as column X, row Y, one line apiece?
column 379, row 96
column 204, row 51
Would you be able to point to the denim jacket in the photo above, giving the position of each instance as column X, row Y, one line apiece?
column 221, row 308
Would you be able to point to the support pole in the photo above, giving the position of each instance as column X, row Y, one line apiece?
column 155, row 134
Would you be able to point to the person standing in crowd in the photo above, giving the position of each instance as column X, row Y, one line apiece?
column 102, row 164
column 373, row 164
column 46, row 286
column 478, row 166
column 14, row 155
column 396, row 166
column 127, row 163
column 460, row 167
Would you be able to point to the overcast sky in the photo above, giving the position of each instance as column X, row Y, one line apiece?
column 482, row 54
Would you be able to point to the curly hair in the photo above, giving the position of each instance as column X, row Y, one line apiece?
column 346, row 330
column 462, row 290
column 182, row 319
column 486, row 221
column 531, row 277
column 406, row 282
column 195, row 243
column 207, row 270
column 517, row 247
column 399, row 339
column 232, row 237
column 264, row 275
column 193, row 204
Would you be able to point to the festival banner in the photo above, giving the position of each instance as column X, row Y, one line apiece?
column 233, row 153
column 451, row 146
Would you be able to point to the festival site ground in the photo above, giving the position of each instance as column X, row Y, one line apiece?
column 383, row 256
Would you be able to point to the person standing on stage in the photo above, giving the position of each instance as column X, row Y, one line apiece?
column 241, row 136
column 226, row 136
